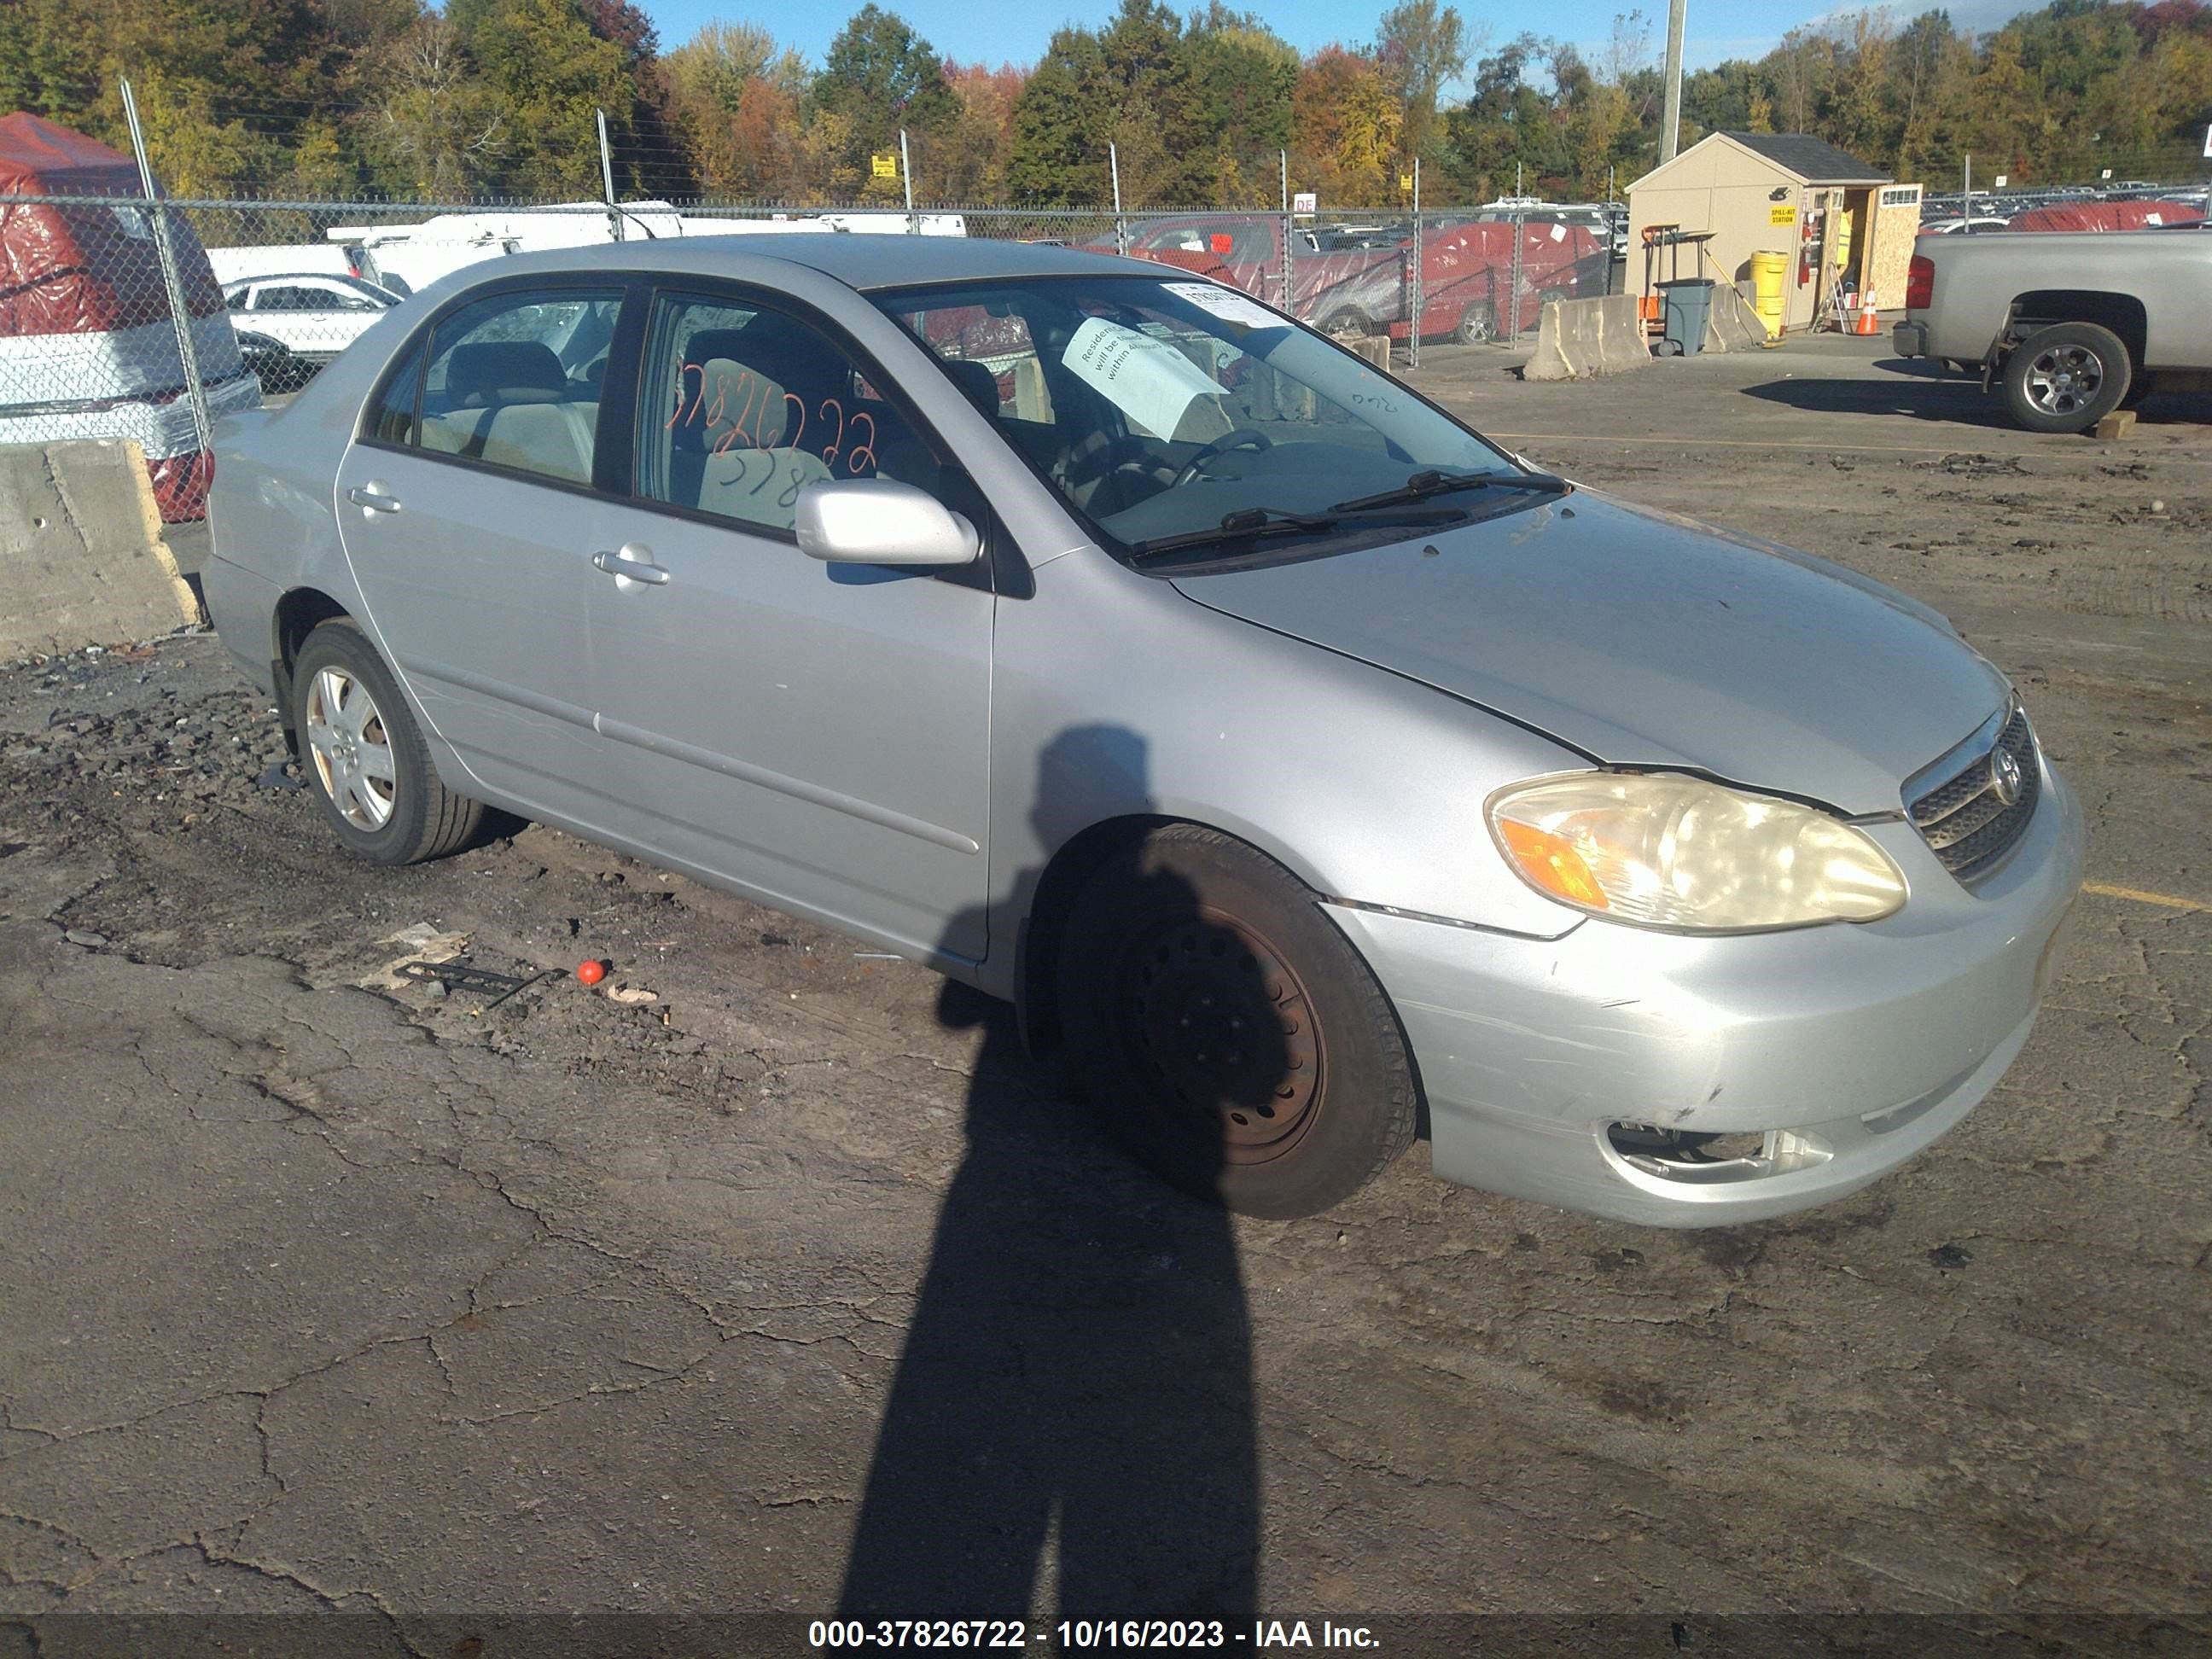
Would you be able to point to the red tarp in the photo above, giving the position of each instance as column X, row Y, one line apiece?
column 87, row 278
column 74, row 270
column 2105, row 216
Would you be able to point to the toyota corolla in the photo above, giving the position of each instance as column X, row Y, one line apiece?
column 1311, row 772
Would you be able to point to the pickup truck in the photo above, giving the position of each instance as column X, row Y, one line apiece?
column 2072, row 325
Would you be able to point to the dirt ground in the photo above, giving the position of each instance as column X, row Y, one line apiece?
column 323, row 1292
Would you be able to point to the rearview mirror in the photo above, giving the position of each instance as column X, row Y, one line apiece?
column 879, row 521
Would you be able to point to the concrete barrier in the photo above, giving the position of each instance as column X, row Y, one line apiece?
column 1576, row 339
column 1732, row 325
column 1376, row 347
column 81, row 561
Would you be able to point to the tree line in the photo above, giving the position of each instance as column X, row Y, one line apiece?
column 342, row 99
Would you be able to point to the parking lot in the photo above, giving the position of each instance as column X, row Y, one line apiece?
column 327, row 1292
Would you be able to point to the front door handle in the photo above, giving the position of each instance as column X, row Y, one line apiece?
column 625, row 565
column 374, row 501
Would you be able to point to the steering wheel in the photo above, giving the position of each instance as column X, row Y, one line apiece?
column 1243, row 438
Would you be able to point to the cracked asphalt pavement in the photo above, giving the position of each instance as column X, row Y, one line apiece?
column 325, row 1292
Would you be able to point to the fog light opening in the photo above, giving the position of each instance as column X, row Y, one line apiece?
column 1650, row 1147
column 1700, row 1156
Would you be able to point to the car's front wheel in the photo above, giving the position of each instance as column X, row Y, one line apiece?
column 1227, row 1035
column 2066, row 378
column 1476, row 325
column 365, row 762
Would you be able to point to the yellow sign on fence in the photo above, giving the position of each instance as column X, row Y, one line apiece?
column 1404, row 182
column 883, row 164
column 1781, row 216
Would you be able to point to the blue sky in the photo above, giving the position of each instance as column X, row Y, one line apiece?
column 1015, row 31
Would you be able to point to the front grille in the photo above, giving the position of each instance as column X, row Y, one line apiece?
column 1966, row 820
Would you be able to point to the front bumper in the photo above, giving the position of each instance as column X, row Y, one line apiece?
column 1860, row 1044
column 1910, row 339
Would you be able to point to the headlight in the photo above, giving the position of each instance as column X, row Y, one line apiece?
column 1662, row 850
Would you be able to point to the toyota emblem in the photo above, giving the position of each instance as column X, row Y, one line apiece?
column 2004, row 777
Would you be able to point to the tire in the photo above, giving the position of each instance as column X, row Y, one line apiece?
column 2140, row 389
column 1476, row 325
column 1347, row 322
column 2066, row 378
column 1227, row 1035
column 405, row 818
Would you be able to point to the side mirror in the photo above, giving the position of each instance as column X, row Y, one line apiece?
column 879, row 521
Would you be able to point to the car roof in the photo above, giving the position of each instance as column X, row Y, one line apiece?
column 347, row 277
column 858, row 260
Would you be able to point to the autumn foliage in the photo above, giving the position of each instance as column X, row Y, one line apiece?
column 335, row 98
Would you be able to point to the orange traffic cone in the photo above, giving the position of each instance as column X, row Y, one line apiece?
column 1867, row 322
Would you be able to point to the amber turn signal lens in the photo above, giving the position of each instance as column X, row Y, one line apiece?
column 1552, row 863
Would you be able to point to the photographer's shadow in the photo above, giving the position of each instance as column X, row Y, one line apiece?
column 1073, row 1406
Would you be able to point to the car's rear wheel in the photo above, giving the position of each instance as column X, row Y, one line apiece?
column 1227, row 1035
column 2066, row 378
column 365, row 762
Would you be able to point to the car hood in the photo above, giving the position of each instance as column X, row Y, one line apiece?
column 1645, row 640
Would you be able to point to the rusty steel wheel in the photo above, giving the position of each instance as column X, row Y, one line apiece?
column 1225, row 1031
column 1214, row 1020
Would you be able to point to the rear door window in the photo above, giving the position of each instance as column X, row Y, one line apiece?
column 513, row 381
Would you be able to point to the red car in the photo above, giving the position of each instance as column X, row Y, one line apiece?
column 1365, row 287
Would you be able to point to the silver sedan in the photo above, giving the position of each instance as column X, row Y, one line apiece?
column 1311, row 771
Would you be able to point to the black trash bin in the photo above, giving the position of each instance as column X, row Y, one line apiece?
column 1684, row 307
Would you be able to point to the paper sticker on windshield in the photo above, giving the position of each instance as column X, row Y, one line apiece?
column 1226, row 303
column 1148, row 379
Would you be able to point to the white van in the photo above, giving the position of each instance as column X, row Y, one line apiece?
column 405, row 257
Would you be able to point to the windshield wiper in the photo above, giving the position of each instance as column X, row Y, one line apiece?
column 1255, row 521
column 1422, row 485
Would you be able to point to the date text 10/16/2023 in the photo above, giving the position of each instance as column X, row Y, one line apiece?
column 1264, row 1636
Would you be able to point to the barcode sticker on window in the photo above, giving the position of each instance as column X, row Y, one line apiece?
column 1225, row 303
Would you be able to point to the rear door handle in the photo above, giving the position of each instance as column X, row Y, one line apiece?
column 374, row 501
column 633, row 569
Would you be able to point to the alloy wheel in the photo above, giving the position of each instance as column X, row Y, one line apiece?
column 2064, row 379
column 350, row 748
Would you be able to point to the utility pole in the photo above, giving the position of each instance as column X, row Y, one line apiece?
column 1670, row 131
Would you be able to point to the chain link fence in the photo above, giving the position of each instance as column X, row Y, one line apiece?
column 147, row 318
column 129, row 316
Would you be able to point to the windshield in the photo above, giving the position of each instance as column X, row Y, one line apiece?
column 1158, row 408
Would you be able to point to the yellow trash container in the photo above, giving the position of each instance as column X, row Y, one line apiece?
column 1768, row 273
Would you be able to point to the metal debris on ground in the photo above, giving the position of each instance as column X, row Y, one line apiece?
column 462, row 976
column 523, row 985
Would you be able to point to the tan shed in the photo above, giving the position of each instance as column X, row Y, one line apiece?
column 1776, row 192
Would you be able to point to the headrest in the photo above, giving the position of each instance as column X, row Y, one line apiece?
column 738, row 395
column 976, row 380
column 746, row 375
column 502, row 372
